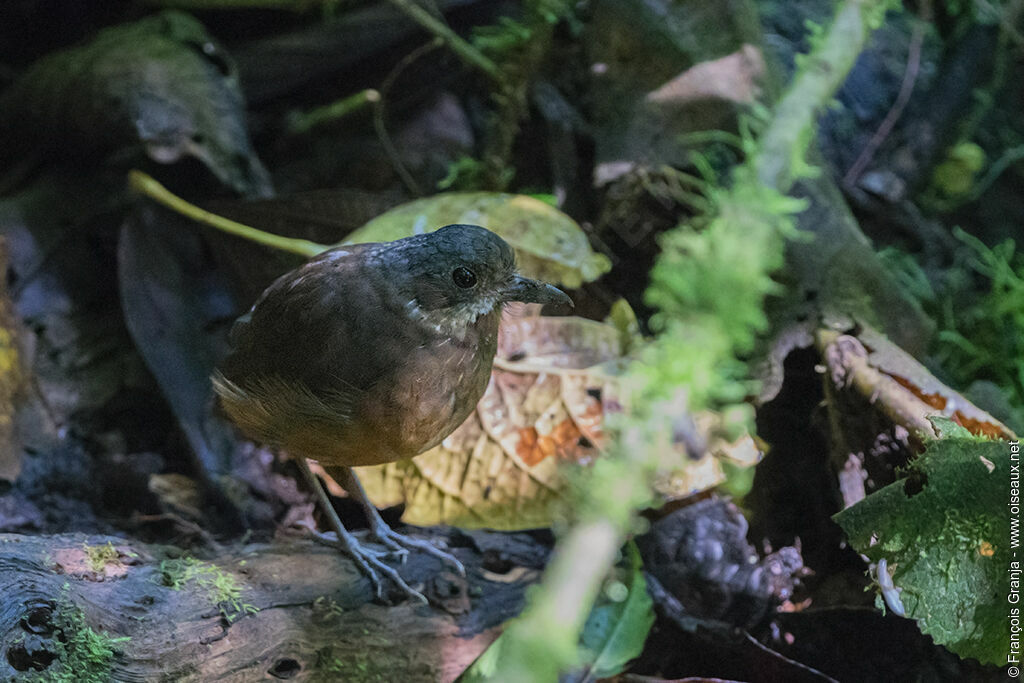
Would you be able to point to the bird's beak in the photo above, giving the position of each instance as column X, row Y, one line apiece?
column 529, row 291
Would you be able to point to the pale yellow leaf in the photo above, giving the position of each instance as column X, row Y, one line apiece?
column 549, row 245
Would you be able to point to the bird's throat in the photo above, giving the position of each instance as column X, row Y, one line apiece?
column 453, row 321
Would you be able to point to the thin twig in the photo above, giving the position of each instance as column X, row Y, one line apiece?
column 456, row 44
column 185, row 524
column 303, row 122
column 906, row 88
column 378, row 114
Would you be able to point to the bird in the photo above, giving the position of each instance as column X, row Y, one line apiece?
column 372, row 353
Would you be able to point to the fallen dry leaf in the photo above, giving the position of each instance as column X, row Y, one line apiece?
column 500, row 468
column 178, row 494
column 732, row 78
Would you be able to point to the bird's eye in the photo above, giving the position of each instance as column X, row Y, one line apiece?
column 464, row 277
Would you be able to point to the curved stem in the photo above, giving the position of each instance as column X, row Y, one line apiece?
column 145, row 184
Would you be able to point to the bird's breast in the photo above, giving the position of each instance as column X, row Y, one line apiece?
column 440, row 385
column 377, row 392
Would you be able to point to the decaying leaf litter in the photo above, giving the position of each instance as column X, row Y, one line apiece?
column 122, row 308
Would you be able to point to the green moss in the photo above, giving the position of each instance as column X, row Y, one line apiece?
column 709, row 285
column 326, row 610
column 221, row 587
column 84, row 655
column 100, row 555
column 980, row 308
column 364, row 667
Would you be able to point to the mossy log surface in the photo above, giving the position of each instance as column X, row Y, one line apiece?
column 96, row 608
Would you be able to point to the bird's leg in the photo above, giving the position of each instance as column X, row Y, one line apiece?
column 367, row 560
column 379, row 528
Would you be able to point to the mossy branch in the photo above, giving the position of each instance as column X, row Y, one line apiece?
column 692, row 364
column 783, row 144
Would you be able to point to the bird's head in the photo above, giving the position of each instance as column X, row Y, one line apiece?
column 460, row 272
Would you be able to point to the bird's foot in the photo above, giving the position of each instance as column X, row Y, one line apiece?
column 401, row 544
column 366, row 559
column 369, row 562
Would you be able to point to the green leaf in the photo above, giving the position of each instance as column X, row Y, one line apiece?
column 948, row 429
column 615, row 631
column 945, row 533
column 485, row 667
column 549, row 245
column 614, row 634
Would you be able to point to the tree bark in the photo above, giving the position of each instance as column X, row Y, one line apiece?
column 301, row 612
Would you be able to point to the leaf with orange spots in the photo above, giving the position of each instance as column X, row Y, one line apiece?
column 553, row 383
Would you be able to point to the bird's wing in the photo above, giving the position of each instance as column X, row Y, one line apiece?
column 326, row 324
column 346, row 257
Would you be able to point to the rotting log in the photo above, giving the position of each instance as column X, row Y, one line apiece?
column 103, row 608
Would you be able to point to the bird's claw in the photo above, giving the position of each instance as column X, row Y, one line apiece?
column 386, row 540
column 330, row 539
column 369, row 563
column 401, row 543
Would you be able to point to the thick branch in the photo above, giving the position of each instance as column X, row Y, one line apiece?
column 302, row 612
